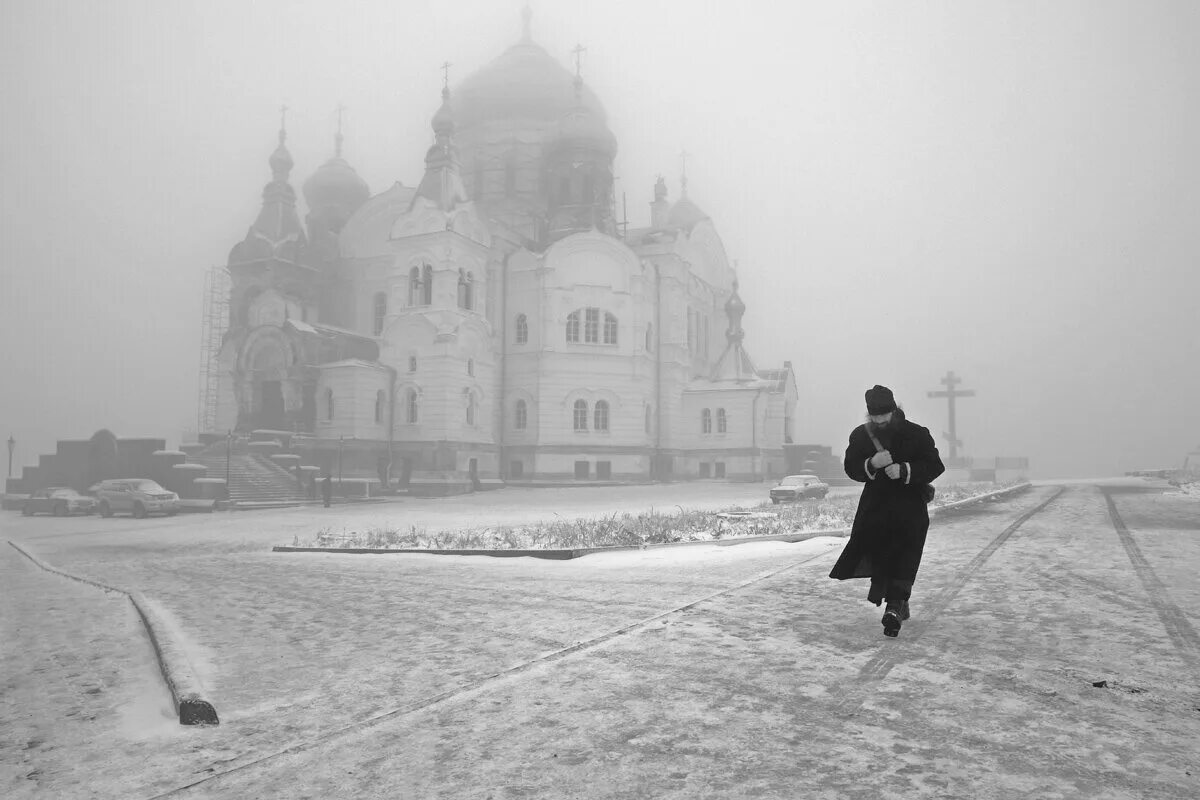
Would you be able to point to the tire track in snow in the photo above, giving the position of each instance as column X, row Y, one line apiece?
column 889, row 653
column 484, row 683
column 1180, row 631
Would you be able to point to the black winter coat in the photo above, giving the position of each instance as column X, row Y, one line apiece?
column 888, row 536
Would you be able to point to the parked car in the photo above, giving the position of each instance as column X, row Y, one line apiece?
column 59, row 501
column 138, row 496
column 799, row 487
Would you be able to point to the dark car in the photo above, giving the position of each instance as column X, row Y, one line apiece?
column 799, row 487
column 59, row 501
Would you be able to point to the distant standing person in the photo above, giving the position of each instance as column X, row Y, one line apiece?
column 327, row 489
column 897, row 460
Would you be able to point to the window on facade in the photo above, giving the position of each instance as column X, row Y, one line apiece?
column 469, row 302
column 427, row 285
column 522, row 329
column 379, row 401
column 583, row 470
column 414, row 286
column 470, row 406
column 603, row 470
column 573, row 326
column 581, row 415
column 413, row 411
column 720, row 420
column 610, row 328
column 591, row 325
column 412, row 363
column 649, row 338
column 380, row 312
column 601, row 416
column 471, row 367
column 462, row 289
column 720, row 469
column 706, row 420
column 522, row 416
column 329, row 404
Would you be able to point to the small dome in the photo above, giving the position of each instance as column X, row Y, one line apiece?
column 443, row 120
column 281, row 161
column 524, row 82
column 685, row 214
column 335, row 183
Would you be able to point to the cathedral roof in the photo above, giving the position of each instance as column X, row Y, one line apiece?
column 523, row 83
column 335, row 183
column 685, row 214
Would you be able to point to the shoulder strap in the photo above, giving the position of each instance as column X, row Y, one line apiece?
column 874, row 441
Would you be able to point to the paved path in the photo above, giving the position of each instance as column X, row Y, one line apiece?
column 699, row 672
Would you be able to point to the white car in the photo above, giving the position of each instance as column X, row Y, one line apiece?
column 799, row 487
column 138, row 496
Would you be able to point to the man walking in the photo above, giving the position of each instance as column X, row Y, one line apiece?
column 896, row 460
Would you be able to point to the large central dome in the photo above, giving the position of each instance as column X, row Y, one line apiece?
column 523, row 83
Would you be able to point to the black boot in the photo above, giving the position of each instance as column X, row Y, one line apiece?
column 891, row 620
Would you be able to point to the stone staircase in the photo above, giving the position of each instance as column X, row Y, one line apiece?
column 253, row 477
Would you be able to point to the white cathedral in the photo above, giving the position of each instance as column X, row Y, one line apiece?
column 494, row 323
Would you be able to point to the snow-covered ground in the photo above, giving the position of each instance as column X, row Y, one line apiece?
column 697, row 671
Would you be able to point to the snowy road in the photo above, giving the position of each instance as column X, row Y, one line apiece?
column 376, row 676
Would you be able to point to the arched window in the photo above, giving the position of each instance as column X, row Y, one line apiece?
column 379, row 401
column 649, row 338
column 610, row 328
column 427, row 285
column 573, row 326
column 580, row 415
column 720, row 420
column 470, row 406
column 471, row 367
column 329, row 404
column 413, row 412
column 412, row 363
column 462, row 289
column 414, row 286
column 601, row 416
column 648, row 419
column 380, row 312
column 522, row 329
column 706, row 420
column 522, row 416
column 470, row 294
column 591, row 325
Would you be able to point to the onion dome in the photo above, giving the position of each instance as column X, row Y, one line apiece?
column 281, row 160
column 685, row 214
column 522, row 83
column 582, row 128
column 336, row 185
column 735, row 309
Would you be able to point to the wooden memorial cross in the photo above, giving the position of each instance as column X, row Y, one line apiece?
column 950, row 393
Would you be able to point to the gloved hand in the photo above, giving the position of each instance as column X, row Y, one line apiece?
column 892, row 471
column 881, row 459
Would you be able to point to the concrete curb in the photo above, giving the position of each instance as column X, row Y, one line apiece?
column 563, row 554
column 982, row 498
column 186, row 689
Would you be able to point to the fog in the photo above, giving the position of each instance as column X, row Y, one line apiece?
column 1007, row 190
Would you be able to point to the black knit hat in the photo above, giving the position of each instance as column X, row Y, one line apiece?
column 880, row 400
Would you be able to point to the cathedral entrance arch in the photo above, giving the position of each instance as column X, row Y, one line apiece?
column 271, row 412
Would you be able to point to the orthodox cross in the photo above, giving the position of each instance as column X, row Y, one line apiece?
column 338, row 140
column 282, row 123
column 950, row 393
column 683, row 157
column 446, row 75
column 578, row 52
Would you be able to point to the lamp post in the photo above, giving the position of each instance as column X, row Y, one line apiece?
column 228, row 452
column 341, row 443
column 12, row 443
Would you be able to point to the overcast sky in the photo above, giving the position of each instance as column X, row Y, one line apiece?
column 1009, row 190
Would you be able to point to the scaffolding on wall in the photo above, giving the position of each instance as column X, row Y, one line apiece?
column 214, row 323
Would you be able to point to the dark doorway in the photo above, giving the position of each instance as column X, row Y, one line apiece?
column 271, row 413
column 473, row 472
column 582, row 470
